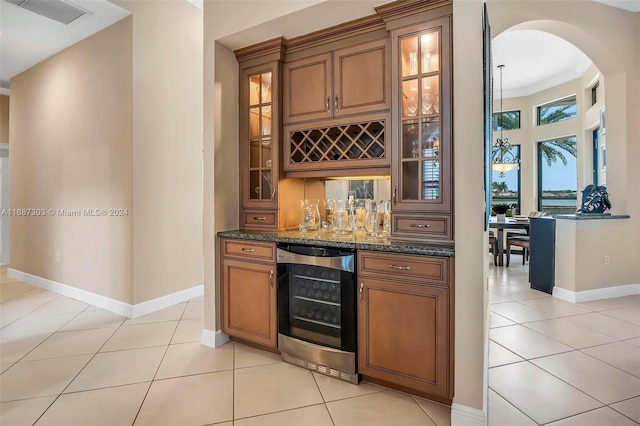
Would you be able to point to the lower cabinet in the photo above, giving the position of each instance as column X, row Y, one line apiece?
column 404, row 323
column 249, row 296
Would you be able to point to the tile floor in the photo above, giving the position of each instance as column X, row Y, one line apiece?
column 552, row 362
column 64, row 362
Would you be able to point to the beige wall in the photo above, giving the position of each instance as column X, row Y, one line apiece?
column 595, row 28
column 4, row 119
column 167, row 147
column 71, row 125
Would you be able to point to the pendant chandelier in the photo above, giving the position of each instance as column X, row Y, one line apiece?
column 502, row 159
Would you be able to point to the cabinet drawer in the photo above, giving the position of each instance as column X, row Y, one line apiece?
column 424, row 269
column 250, row 250
column 257, row 218
column 422, row 226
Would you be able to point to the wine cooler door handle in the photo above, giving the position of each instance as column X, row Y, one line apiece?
column 361, row 292
column 395, row 195
column 337, row 105
column 328, row 105
column 271, row 278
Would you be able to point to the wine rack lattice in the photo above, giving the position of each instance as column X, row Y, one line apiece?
column 346, row 142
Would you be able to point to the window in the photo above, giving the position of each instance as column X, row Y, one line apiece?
column 561, row 110
column 508, row 120
column 505, row 187
column 594, row 93
column 557, row 176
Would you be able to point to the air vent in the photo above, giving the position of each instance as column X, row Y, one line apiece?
column 58, row 10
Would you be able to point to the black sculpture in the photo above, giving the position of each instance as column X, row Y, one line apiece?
column 594, row 199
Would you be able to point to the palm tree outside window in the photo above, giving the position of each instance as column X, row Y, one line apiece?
column 558, row 175
column 560, row 110
column 505, row 187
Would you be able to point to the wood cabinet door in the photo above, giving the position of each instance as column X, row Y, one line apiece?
column 404, row 335
column 307, row 89
column 362, row 78
column 249, row 301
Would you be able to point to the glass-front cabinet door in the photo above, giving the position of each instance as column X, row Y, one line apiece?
column 260, row 185
column 422, row 159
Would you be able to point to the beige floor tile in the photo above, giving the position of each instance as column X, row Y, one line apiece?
column 604, row 416
column 61, row 305
column 382, row 408
column 499, row 355
column 194, row 358
column 194, row 310
column 632, row 300
column 102, row 407
column 68, row 343
column 31, row 325
column 246, row 356
column 34, row 298
column 555, row 306
column 33, row 379
column 520, row 313
column 12, row 289
column 541, row 396
column 333, row 389
column 597, row 379
column 315, row 415
column 172, row 313
column 499, row 321
column 607, row 325
column 515, row 292
column 89, row 319
column 634, row 342
column 118, row 368
column 630, row 314
column 192, row 400
column 141, row 336
column 13, row 350
column 630, row 408
column 189, row 331
column 440, row 414
column 501, row 413
column 24, row 412
column 495, row 298
column 4, row 366
column 12, row 313
column 526, row 342
column 620, row 354
column 569, row 333
column 274, row 387
column 600, row 305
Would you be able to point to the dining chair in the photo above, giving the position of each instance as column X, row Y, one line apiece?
column 493, row 243
column 518, row 241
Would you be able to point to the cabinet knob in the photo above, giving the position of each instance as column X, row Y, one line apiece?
column 419, row 225
column 361, row 292
column 271, row 278
column 402, row 268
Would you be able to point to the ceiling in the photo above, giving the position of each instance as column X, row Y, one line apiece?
column 533, row 60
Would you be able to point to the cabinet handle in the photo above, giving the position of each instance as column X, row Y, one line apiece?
column 259, row 218
column 273, row 197
column 361, row 292
column 419, row 225
column 402, row 268
column 395, row 195
column 337, row 105
column 246, row 250
column 271, row 278
column 329, row 105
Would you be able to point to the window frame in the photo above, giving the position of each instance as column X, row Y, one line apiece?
column 519, row 182
column 539, row 173
column 557, row 102
column 497, row 120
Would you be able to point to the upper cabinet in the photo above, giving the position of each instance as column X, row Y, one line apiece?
column 346, row 81
column 261, row 177
column 421, row 167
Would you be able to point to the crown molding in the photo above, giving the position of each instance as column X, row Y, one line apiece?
column 275, row 45
column 402, row 9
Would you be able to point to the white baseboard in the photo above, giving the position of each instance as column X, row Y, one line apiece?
column 214, row 339
column 461, row 415
column 597, row 294
column 104, row 302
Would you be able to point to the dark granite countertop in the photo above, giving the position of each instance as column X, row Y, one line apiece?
column 591, row 216
column 358, row 240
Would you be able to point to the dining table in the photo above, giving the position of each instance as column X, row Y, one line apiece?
column 500, row 226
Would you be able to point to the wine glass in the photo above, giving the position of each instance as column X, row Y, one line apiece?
column 427, row 103
column 412, row 105
column 436, row 103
